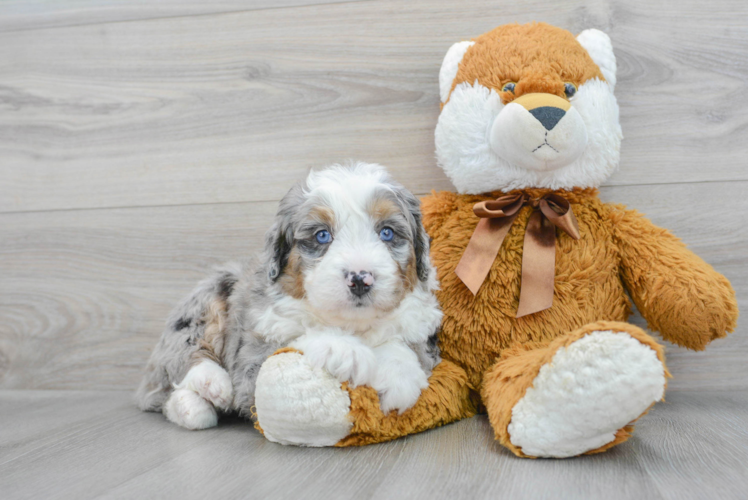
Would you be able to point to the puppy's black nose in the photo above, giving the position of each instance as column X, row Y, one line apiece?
column 360, row 283
column 549, row 116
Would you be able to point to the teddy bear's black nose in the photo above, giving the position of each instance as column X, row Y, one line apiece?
column 549, row 116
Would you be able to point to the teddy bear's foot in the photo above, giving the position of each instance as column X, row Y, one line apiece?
column 585, row 390
column 301, row 405
column 306, row 406
column 588, row 391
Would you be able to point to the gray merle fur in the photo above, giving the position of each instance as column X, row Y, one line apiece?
column 248, row 289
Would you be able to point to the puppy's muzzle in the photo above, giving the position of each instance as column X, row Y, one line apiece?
column 359, row 283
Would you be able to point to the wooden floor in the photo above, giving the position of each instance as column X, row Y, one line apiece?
column 143, row 142
column 80, row 445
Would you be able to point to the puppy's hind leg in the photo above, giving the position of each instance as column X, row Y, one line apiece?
column 206, row 386
column 189, row 354
column 211, row 382
column 193, row 402
column 187, row 409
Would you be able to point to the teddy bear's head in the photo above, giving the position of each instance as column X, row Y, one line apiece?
column 528, row 106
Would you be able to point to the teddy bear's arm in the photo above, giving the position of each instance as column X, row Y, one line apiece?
column 679, row 295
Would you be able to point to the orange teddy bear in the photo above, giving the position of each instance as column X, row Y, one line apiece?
column 534, row 268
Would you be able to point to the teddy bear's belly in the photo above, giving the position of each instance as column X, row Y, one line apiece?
column 476, row 329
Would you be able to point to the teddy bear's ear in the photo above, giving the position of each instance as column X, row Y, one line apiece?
column 449, row 67
column 600, row 49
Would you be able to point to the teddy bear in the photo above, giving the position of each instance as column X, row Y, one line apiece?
column 537, row 274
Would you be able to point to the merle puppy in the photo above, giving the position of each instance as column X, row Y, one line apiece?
column 345, row 278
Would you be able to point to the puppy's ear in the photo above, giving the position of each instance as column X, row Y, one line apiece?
column 280, row 237
column 420, row 237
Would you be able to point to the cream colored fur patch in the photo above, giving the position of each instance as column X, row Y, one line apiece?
column 587, row 392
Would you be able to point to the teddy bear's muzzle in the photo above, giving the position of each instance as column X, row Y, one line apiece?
column 539, row 132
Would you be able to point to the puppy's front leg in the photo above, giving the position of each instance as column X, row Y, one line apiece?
column 400, row 378
column 345, row 357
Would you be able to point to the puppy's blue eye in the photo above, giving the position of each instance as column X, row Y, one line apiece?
column 386, row 234
column 323, row 237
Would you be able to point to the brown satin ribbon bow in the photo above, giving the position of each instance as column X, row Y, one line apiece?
column 539, row 251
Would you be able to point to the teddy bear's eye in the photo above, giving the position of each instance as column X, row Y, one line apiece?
column 570, row 89
column 509, row 87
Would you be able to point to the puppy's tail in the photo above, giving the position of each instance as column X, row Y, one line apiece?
column 195, row 330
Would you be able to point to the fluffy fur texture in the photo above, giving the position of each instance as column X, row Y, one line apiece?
column 595, row 386
column 619, row 251
column 598, row 46
column 205, row 388
column 514, row 367
column 449, row 68
column 585, row 393
column 446, row 399
column 484, row 139
column 360, row 305
column 282, row 379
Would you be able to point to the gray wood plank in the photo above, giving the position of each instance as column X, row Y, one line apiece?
column 17, row 15
column 85, row 293
column 691, row 212
column 165, row 111
column 692, row 447
column 698, row 441
column 102, row 441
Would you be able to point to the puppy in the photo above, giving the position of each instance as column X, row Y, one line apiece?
column 345, row 278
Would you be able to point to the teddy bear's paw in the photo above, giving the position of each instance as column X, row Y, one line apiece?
column 211, row 382
column 187, row 409
column 299, row 404
column 587, row 392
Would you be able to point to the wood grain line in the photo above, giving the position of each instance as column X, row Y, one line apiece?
column 18, row 15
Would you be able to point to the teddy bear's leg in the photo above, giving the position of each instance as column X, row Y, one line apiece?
column 578, row 394
column 301, row 405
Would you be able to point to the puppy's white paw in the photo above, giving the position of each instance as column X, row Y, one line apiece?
column 211, row 382
column 399, row 389
column 345, row 358
column 187, row 409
